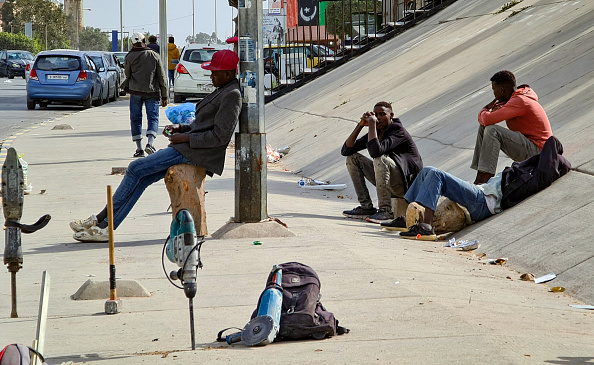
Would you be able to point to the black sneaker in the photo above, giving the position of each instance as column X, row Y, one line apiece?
column 138, row 153
column 149, row 149
column 359, row 212
column 380, row 217
column 421, row 231
column 398, row 224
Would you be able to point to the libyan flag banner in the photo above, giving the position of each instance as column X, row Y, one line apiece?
column 309, row 12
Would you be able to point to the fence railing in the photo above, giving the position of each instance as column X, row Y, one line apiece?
column 322, row 38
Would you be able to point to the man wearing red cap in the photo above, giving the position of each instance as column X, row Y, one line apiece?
column 202, row 143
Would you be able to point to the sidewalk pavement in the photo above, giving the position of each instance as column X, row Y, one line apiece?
column 405, row 302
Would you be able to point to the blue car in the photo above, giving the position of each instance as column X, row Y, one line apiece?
column 64, row 77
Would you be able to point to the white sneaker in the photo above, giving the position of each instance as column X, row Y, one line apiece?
column 79, row 225
column 93, row 234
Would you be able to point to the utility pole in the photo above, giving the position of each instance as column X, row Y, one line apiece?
column 163, row 36
column 250, row 142
column 193, row 23
column 121, row 28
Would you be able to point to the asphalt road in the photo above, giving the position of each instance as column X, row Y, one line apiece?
column 14, row 116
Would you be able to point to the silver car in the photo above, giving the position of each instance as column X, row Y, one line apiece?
column 112, row 57
column 108, row 74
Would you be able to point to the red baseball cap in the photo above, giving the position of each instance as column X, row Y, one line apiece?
column 222, row 60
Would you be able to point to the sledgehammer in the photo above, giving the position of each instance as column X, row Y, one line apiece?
column 113, row 305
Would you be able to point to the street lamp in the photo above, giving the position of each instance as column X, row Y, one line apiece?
column 78, row 26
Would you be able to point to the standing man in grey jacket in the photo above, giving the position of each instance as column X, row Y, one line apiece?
column 146, row 83
column 202, row 143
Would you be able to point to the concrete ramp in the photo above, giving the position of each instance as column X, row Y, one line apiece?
column 436, row 75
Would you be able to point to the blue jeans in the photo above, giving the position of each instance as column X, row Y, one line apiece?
column 140, row 174
column 152, row 115
column 171, row 77
column 431, row 183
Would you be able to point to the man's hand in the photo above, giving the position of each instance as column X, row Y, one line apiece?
column 179, row 138
column 170, row 129
column 367, row 119
column 494, row 104
column 163, row 102
column 497, row 106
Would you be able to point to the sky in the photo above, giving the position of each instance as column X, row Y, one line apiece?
column 143, row 16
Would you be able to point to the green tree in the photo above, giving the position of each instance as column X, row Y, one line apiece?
column 49, row 21
column 92, row 39
column 205, row 38
column 19, row 41
column 348, row 17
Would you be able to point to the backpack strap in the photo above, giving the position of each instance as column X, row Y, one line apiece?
column 340, row 330
column 220, row 337
column 39, row 355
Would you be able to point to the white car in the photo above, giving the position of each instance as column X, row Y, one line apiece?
column 190, row 79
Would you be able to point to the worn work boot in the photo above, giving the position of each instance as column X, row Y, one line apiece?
column 79, row 225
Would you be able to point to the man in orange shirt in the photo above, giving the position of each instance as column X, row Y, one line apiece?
column 527, row 126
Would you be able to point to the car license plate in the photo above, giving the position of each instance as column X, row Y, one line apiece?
column 57, row 77
column 209, row 88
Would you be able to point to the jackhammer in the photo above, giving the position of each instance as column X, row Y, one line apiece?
column 183, row 248
column 13, row 192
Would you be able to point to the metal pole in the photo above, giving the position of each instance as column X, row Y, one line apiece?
column 121, row 29
column 215, row 19
column 193, row 23
column 250, row 142
column 163, row 36
column 77, row 27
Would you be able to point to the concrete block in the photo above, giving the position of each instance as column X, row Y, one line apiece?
column 92, row 290
column 233, row 230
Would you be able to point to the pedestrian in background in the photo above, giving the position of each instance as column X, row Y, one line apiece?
column 172, row 58
column 153, row 44
column 146, row 83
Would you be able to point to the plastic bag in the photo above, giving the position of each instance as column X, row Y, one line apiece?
column 181, row 114
column 25, row 166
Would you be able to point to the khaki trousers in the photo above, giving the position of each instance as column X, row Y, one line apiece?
column 382, row 173
column 493, row 138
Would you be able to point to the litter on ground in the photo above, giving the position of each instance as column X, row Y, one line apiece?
column 580, row 306
column 319, row 185
column 545, row 278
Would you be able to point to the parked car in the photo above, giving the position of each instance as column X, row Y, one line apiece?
column 289, row 61
column 190, row 79
column 109, row 76
column 121, row 56
column 14, row 62
column 64, row 77
column 121, row 74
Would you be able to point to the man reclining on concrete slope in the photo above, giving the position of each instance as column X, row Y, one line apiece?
column 396, row 163
column 527, row 121
column 502, row 191
column 202, row 143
